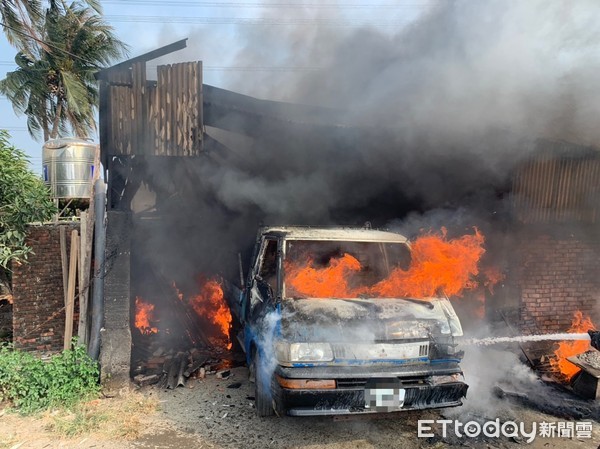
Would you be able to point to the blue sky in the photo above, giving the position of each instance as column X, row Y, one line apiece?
column 221, row 34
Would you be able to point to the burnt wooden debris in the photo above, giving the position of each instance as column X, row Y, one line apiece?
column 551, row 400
column 552, row 394
column 172, row 368
column 576, row 398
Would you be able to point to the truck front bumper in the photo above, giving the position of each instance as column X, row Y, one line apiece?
column 423, row 387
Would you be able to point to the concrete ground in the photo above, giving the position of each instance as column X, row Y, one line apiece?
column 207, row 413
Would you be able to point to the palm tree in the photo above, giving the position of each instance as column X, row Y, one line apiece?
column 19, row 19
column 54, row 83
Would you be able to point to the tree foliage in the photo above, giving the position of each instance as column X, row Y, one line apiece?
column 22, row 20
column 23, row 199
column 19, row 20
column 54, row 84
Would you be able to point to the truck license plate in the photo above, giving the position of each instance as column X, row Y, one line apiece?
column 384, row 395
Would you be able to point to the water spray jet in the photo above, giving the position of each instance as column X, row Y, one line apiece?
column 592, row 336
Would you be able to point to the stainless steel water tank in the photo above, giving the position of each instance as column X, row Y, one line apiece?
column 68, row 165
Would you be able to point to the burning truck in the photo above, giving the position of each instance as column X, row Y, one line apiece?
column 328, row 326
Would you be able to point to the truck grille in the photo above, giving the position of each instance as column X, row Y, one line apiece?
column 351, row 383
column 381, row 351
column 406, row 382
column 424, row 397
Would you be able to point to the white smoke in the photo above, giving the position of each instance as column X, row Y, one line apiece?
column 485, row 369
column 265, row 343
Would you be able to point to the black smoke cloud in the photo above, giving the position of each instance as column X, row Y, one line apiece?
column 433, row 115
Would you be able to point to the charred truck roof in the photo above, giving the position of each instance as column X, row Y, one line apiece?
column 325, row 334
column 333, row 233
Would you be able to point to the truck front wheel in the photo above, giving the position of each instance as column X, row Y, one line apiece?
column 262, row 387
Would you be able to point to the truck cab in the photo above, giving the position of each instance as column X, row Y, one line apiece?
column 318, row 338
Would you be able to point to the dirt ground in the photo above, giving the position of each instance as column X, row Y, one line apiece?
column 209, row 413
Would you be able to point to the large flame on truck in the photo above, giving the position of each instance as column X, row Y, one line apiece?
column 565, row 349
column 331, row 281
column 439, row 266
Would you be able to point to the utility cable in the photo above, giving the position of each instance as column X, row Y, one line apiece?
column 51, row 45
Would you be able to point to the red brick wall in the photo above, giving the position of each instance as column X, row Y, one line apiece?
column 38, row 308
column 5, row 321
column 558, row 274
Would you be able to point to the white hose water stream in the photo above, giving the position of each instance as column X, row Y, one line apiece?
column 525, row 338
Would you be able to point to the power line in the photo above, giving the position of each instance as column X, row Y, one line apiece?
column 256, row 21
column 209, row 68
column 224, row 68
column 283, row 5
column 49, row 44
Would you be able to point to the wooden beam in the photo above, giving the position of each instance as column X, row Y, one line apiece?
column 267, row 109
column 71, row 289
column 162, row 51
column 63, row 260
column 87, row 238
column 257, row 118
column 83, row 280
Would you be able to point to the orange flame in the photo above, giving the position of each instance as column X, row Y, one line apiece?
column 327, row 282
column 478, row 305
column 492, row 276
column 561, row 365
column 210, row 303
column 144, row 314
column 438, row 266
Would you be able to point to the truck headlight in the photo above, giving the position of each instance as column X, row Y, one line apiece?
column 311, row 352
column 455, row 327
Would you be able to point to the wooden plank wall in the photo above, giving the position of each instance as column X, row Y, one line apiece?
column 176, row 112
column 159, row 119
column 553, row 188
column 116, row 114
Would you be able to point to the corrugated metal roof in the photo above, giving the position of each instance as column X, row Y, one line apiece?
column 558, row 188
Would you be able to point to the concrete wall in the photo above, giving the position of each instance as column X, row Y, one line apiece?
column 115, row 352
column 558, row 274
column 38, row 308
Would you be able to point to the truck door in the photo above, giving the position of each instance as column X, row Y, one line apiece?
column 264, row 285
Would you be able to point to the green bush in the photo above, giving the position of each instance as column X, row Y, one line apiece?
column 32, row 384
